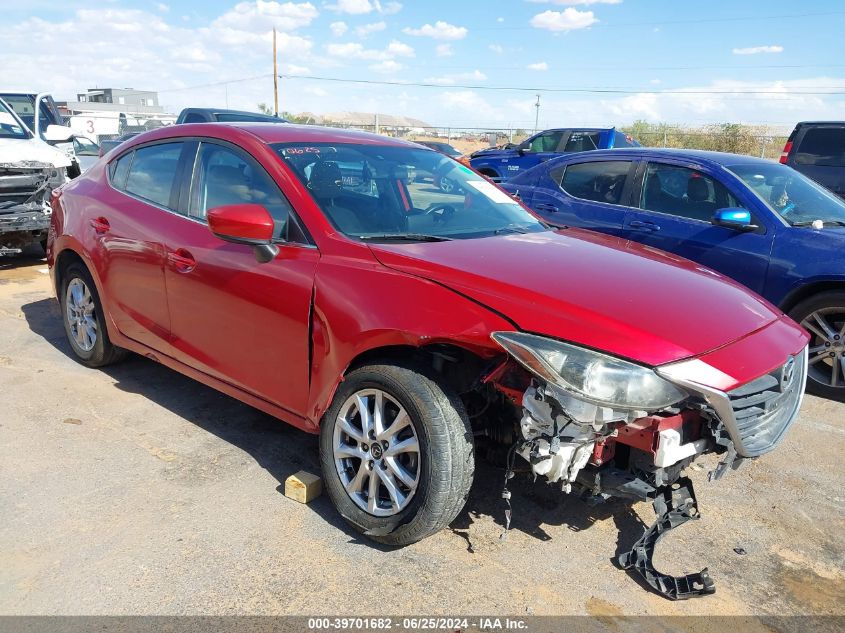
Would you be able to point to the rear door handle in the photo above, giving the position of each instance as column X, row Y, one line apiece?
column 182, row 260
column 645, row 226
column 544, row 206
column 100, row 225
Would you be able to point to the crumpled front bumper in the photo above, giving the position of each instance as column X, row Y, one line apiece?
column 754, row 386
column 25, row 202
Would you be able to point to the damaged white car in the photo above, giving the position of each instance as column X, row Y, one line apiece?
column 29, row 170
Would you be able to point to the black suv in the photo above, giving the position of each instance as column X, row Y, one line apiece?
column 216, row 115
column 817, row 150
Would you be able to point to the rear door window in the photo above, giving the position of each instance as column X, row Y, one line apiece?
column 119, row 168
column 153, row 172
column 823, row 146
column 599, row 181
column 582, row 141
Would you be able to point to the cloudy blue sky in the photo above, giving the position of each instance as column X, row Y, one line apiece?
column 593, row 61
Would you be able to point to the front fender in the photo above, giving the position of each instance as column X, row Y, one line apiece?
column 363, row 307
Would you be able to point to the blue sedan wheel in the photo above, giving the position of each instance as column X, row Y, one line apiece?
column 823, row 316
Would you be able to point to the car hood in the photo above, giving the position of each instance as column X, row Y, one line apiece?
column 594, row 290
column 493, row 151
column 32, row 152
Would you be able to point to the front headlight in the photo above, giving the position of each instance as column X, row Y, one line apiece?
column 591, row 376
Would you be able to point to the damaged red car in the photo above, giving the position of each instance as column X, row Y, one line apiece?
column 306, row 272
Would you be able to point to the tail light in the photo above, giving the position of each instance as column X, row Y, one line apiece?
column 784, row 155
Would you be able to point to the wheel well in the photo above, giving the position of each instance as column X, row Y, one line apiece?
column 65, row 259
column 805, row 292
column 487, row 171
column 458, row 367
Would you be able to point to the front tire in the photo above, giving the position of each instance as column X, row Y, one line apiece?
column 397, row 454
column 84, row 319
column 823, row 316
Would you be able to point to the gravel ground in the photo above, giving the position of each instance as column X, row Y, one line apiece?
column 135, row 490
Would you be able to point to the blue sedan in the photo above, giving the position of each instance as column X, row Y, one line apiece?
column 757, row 221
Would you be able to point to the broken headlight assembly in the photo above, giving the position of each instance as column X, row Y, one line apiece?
column 580, row 405
column 591, row 376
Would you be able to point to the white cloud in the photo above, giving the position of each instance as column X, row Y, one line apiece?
column 567, row 20
column 362, row 7
column 352, row 7
column 756, row 50
column 356, row 50
column 389, row 8
column 316, row 91
column 440, row 31
column 444, row 50
column 576, row 2
column 338, row 28
column 261, row 17
column 496, row 48
column 386, row 67
column 295, row 69
column 538, row 66
column 450, row 80
column 164, row 8
column 367, row 29
column 500, row 19
column 399, row 49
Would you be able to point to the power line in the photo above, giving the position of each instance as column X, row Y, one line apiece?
column 835, row 90
column 615, row 68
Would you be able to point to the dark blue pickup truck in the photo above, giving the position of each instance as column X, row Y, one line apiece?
column 503, row 164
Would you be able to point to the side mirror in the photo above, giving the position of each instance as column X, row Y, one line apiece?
column 249, row 224
column 57, row 133
column 733, row 218
column 521, row 150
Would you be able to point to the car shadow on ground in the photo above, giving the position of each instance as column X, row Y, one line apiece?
column 31, row 256
column 283, row 450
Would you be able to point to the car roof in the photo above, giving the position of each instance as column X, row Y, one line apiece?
column 699, row 155
column 578, row 129
column 271, row 133
column 820, row 123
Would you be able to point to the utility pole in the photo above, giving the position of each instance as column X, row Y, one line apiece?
column 275, row 77
column 537, row 114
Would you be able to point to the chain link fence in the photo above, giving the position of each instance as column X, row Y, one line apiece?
column 733, row 138
column 728, row 137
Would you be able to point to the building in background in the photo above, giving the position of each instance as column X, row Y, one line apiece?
column 103, row 113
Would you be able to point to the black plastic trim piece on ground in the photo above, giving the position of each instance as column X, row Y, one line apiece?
column 674, row 506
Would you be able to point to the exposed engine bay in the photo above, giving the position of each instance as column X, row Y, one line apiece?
column 25, row 211
column 599, row 452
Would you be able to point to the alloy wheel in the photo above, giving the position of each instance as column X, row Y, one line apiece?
column 827, row 347
column 376, row 452
column 81, row 315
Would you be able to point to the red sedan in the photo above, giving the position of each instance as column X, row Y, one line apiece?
column 303, row 271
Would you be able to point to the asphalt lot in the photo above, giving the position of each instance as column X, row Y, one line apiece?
column 136, row 490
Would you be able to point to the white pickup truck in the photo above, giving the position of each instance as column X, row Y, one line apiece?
column 30, row 169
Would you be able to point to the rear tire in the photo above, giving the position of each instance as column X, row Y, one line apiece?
column 823, row 316
column 84, row 319
column 417, row 492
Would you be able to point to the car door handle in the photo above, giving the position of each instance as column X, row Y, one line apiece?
column 182, row 260
column 645, row 226
column 100, row 225
column 544, row 206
